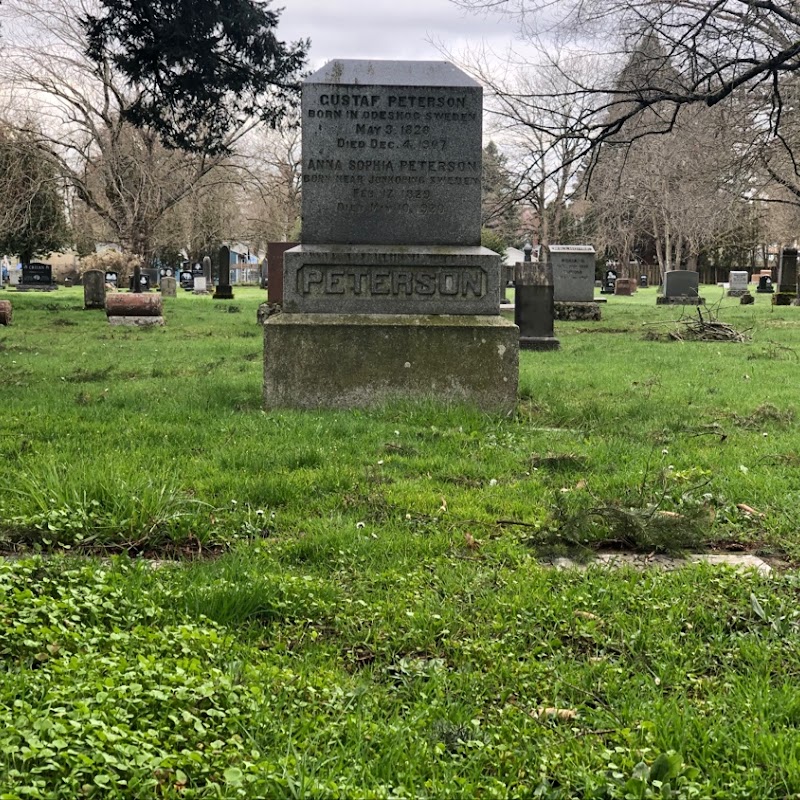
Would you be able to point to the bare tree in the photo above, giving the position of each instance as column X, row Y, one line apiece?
column 715, row 48
column 125, row 178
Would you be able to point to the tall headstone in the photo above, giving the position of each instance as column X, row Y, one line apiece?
column 681, row 287
column 533, row 306
column 390, row 293
column 573, row 282
column 94, row 288
column 787, row 278
column 224, row 290
column 207, row 270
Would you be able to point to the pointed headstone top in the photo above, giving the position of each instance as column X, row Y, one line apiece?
column 362, row 72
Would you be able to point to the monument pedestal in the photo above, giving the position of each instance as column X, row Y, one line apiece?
column 358, row 360
column 784, row 298
column 680, row 301
column 575, row 312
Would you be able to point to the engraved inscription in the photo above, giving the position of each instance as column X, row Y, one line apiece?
column 321, row 280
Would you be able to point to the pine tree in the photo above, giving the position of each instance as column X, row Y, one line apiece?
column 200, row 67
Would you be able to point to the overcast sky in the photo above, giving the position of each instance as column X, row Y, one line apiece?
column 394, row 29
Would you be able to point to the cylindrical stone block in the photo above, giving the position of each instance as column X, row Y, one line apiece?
column 5, row 312
column 134, row 305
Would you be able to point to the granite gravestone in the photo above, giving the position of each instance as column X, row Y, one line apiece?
column 681, row 287
column 787, row 278
column 36, row 276
column 609, row 280
column 224, row 289
column 94, row 288
column 112, row 278
column 533, row 305
column 6, row 312
column 765, row 285
column 199, row 285
column 573, row 282
column 390, row 293
column 169, row 286
column 207, row 270
column 738, row 283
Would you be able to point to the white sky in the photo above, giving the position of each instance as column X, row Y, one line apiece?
column 393, row 29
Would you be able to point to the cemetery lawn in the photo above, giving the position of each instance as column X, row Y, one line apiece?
column 354, row 604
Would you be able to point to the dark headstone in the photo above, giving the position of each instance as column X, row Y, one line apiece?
column 681, row 287
column 643, row 282
column 787, row 278
column 6, row 312
column 187, row 280
column 112, row 278
column 94, row 288
column 533, row 306
column 144, row 283
column 37, row 276
column 224, row 290
column 765, row 285
column 608, row 282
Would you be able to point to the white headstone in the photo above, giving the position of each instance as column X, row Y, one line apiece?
column 200, row 286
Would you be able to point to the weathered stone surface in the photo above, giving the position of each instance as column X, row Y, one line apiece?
column 134, row 305
column 747, row 299
column 94, row 288
column 6, row 312
column 738, row 285
column 139, row 322
column 275, row 269
column 533, row 306
column 576, row 312
column 625, row 287
column 391, row 280
column 681, row 283
column 169, row 287
column 346, row 361
column 391, row 154
column 573, row 272
column 680, row 301
column 199, row 285
column 787, row 271
column 224, row 290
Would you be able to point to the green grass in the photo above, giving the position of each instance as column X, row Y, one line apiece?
column 373, row 619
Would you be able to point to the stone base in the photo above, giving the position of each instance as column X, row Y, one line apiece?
column 223, row 293
column 538, row 343
column 747, row 299
column 360, row 360
column 139, row 322
column 784, row 298
column 46, row 288
column 680, row 301
column 737, row 292
column 575, row 312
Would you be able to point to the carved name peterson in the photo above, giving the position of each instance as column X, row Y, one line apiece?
column 320, row 280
